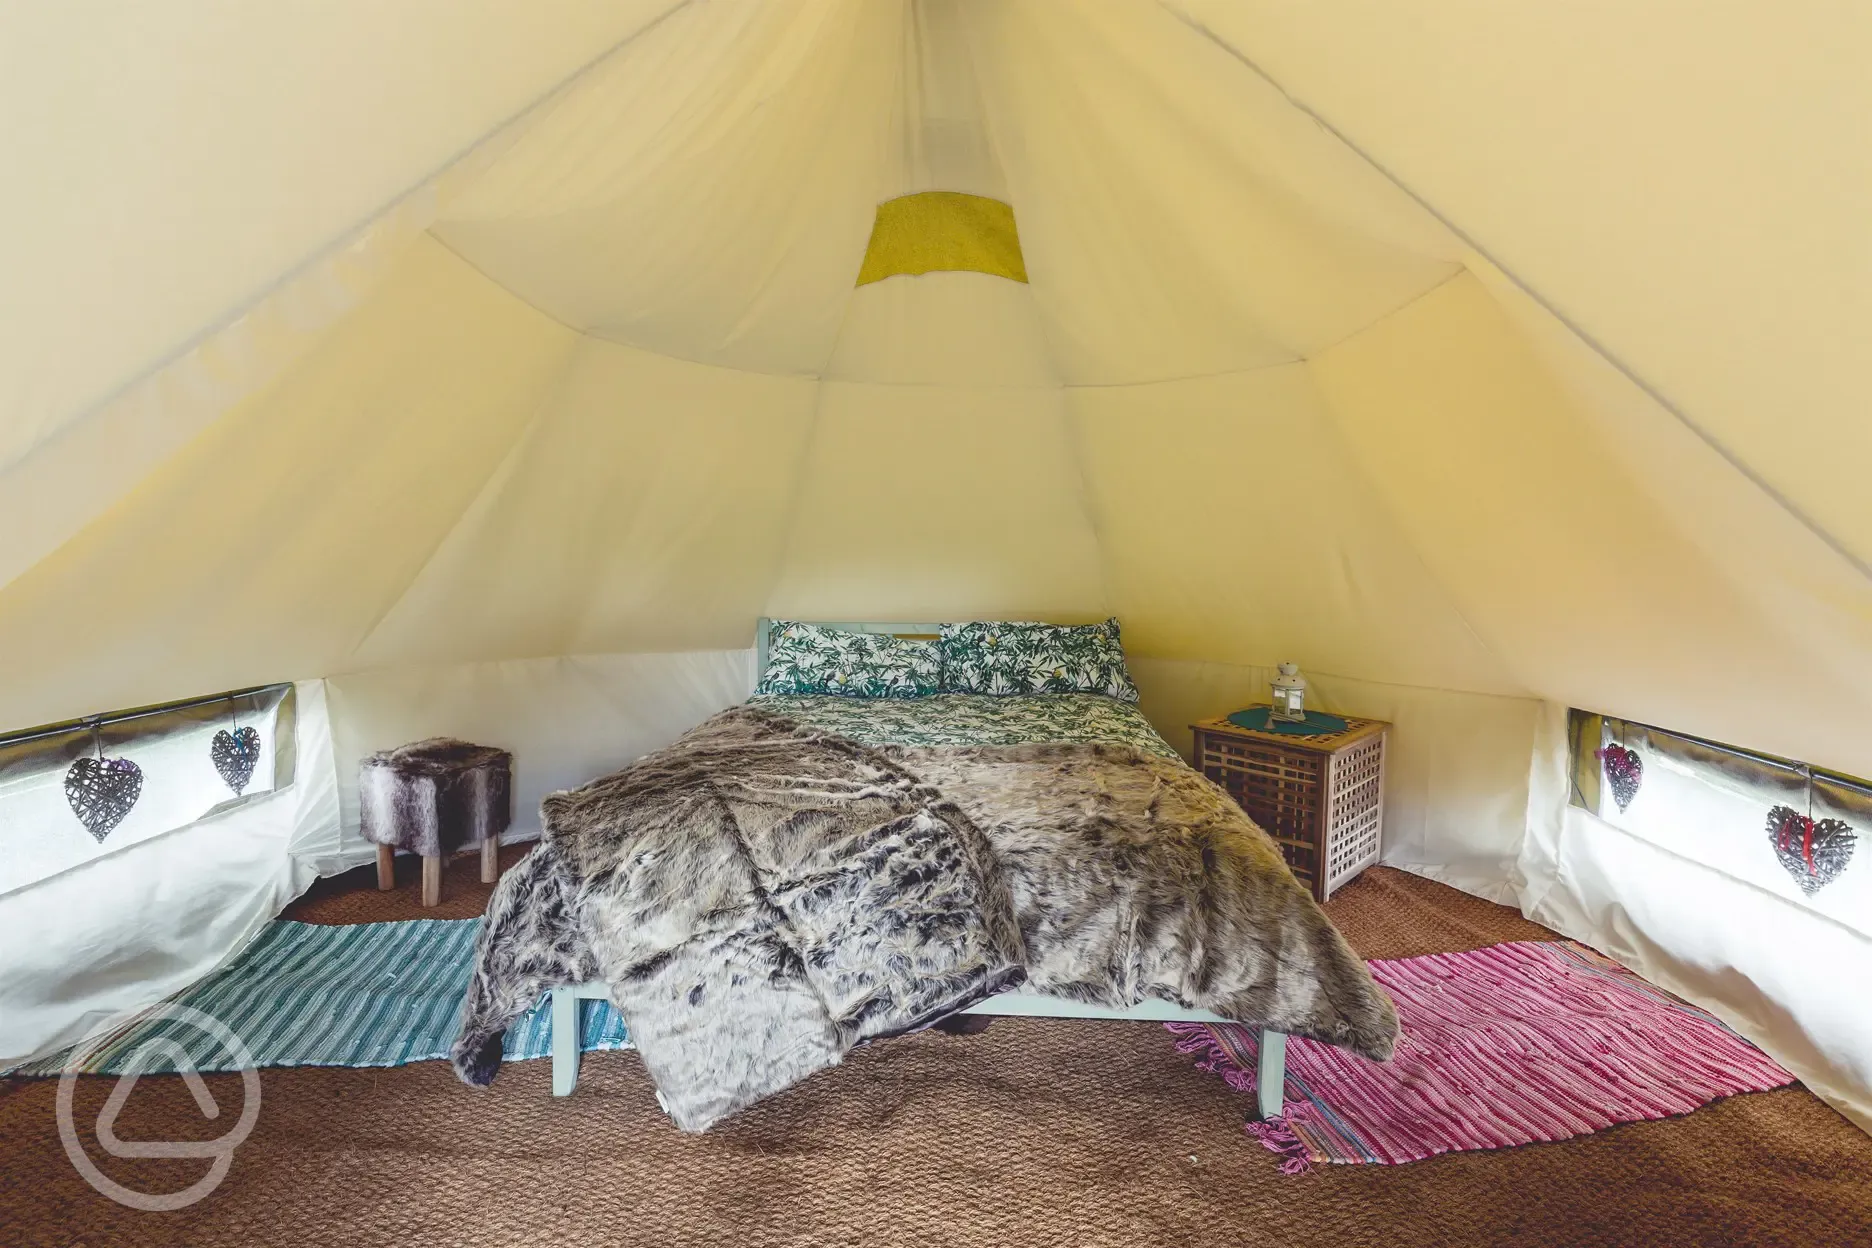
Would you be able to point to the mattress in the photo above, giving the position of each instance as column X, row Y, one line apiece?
column 973, row 719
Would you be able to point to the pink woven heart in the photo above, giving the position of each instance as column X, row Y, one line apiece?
column 1813, row 851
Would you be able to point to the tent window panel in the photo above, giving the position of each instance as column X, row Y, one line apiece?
column 173, row 747
column 1801, row 831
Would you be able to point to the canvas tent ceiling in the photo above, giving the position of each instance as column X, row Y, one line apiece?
column 1485, row 359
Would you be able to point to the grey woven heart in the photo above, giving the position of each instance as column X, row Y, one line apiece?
column 234, row 754
column 102, row 791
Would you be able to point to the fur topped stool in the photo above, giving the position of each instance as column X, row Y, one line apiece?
column 433, row 798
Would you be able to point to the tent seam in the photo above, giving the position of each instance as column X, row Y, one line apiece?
column 1406, row 306
column 507, row 290
column 598, row 335
column 528, row 429
column 340, row 241
column 1813, row 526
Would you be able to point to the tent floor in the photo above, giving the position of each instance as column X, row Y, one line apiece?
column 1035, row 1132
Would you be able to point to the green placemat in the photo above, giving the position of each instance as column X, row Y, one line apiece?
column 1318, row 723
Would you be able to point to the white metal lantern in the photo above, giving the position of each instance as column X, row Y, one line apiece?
column 1289, row 695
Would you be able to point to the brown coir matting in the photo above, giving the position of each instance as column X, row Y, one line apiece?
column 1035, row 1132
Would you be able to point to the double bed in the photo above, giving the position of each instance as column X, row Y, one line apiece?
column 1109, row 729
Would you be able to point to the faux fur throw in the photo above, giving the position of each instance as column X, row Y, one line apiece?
column 761, row 896
column 1134, row 876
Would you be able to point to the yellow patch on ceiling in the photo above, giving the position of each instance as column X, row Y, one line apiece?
column 943, row 231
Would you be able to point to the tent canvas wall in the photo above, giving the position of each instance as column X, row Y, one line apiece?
column 489, row 368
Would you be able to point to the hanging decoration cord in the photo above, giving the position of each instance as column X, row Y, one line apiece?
column 235, row 754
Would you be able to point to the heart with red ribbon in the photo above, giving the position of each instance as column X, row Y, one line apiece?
column 1624, row 770
column 1813, row 851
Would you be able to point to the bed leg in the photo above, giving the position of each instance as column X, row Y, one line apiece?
column 565, row 1041
column 1271, row 1074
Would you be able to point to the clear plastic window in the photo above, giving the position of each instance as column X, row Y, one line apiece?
column 56, row 810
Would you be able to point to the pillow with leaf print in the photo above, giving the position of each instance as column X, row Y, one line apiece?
column 1027, row 657
column 811, row 658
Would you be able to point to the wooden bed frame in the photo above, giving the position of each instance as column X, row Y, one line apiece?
column 1270, row 1069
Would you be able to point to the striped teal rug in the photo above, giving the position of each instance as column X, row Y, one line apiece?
column 365, row 994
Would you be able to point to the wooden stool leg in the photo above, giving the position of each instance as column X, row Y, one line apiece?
column 490, row 860
column 432, row 880
column 386, row 868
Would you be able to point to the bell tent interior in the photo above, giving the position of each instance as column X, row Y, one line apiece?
column 487, row 369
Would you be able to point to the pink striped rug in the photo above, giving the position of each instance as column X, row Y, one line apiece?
column 1511, row 1044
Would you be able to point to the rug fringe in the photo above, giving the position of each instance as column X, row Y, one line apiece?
column 1199, row 1042
column 1278, row 1138
column 1275, row 1134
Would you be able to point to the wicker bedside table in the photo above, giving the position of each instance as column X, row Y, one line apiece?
column 1320, row 797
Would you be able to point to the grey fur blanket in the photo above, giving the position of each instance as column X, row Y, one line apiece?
column 761, row 896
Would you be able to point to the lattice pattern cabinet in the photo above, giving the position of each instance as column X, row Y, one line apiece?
column 1320, row 797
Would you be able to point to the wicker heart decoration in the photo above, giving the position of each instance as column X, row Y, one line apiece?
column 234, row 754
column 1625, row 770
column 102, row 791
column 1813, row 851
